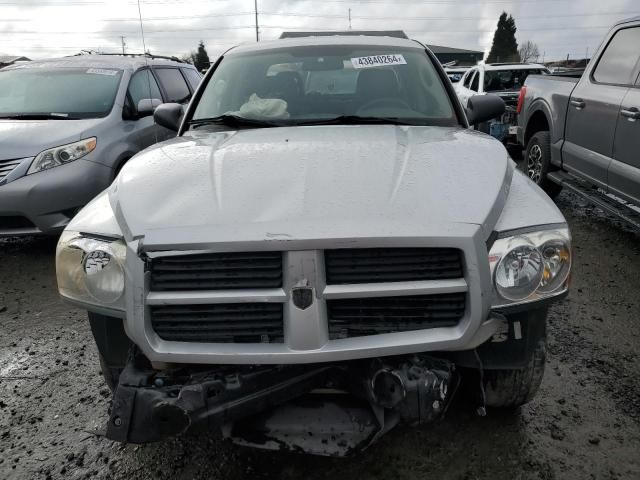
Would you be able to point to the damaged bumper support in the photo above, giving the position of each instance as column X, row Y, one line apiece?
column 329, row 409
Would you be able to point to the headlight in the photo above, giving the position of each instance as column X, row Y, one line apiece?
column 530, row 266
column 91, row 270
column 54, row 157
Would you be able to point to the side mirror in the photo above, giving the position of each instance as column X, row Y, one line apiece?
column 482, row 108
column 168, row 115
column 146, row 106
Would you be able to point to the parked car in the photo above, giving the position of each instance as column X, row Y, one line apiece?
column 305, row 268
column 68, row 125
column 503, row 80
column 588, row 127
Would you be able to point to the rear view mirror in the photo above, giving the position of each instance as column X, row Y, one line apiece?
column 168, row 115
column 146, row 106
column 482, row 108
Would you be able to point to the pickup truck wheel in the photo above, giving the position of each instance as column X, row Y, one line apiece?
column 111, row 375
column 537, row 163
column 512, row 388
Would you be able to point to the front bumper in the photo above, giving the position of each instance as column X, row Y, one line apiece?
column 333, row 409
column 45, row 202
column 306, row 338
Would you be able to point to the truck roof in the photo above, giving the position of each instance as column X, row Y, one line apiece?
column 510, row 66
column 365, row 40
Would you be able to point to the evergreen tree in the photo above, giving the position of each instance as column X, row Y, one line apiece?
column 504, row 47
column 201, row 59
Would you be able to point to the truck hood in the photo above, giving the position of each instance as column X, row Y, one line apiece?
column 27, row 138
column 312, row 182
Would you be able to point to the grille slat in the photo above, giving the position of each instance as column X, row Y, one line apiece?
column 372, row 316
column 220, row 323
column 7, row 166
column 376, row 265
column 217, row 271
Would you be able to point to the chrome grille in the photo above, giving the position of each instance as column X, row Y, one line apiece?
column 217, row 271
column 370, row 316
column 7, row 166
column 375, row 265
column 219, row 323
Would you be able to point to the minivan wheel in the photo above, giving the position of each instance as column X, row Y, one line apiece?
column 537, row 163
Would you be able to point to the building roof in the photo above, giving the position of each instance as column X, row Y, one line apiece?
column 347, row 33
column 438, row 49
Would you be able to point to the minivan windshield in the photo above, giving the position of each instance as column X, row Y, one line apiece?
column 324, row 84
column 65, row 93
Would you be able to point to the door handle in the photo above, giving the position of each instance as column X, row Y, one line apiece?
column 631, row 113
column 578, row 103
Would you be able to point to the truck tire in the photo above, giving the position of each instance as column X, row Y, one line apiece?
column 111, row 375
column 537, row 163
column 515, row 387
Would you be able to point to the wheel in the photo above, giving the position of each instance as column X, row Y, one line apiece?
column 512, row 388
column 111, row 375
column 538, row 163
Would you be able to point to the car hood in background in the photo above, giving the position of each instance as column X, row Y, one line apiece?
column 312, row 182
column 27, row 138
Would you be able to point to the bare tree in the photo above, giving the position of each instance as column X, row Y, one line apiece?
column 529, row 52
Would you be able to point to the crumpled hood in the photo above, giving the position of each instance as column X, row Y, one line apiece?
column 313, row 181
column 27, row 138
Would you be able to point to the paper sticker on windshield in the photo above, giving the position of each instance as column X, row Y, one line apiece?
column 102, row 71
column 378, row 61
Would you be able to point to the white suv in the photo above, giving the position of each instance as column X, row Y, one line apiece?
column 504, row 80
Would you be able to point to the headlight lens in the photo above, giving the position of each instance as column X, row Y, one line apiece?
column 91, row 270
column 519, row 272
column 530, row 266
column 54, row 157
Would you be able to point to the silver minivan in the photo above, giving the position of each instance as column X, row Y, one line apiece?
column 68, row 125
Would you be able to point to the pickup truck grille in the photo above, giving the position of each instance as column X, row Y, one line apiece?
column 217, row 271
column 371, row 316
column 375, row 265
column 219, row 323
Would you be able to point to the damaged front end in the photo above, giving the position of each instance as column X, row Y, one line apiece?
column 329, row 409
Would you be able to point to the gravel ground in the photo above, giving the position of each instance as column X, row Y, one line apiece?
column 584, row 423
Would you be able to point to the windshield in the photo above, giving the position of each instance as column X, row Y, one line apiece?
column 64, row 92
column 304, row 84
column 497, row 80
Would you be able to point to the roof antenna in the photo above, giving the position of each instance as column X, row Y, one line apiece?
column 148, row 70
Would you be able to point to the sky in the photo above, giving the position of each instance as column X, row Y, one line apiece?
column 47, row 28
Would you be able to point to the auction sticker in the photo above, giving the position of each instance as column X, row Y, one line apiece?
column 102, row 71
column 378, row 61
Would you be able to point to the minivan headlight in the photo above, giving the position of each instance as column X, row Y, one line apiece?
column 56, row 156
column 530, row 266
column 90, row 270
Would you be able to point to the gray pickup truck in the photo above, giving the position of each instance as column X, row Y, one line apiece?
column 588, row 128
column 324, row 251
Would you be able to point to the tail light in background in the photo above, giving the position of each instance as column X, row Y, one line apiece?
column 523, row 92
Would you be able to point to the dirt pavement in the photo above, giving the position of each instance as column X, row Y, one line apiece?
column 585, row 422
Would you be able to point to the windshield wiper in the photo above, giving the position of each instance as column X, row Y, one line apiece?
column 357, row 120
column 234, row 121
column 38, row 116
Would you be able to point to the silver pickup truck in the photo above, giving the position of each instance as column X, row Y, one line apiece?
column 588, row 127
column 324, row 251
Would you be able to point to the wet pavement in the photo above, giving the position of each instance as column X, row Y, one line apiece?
column 584, row 423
